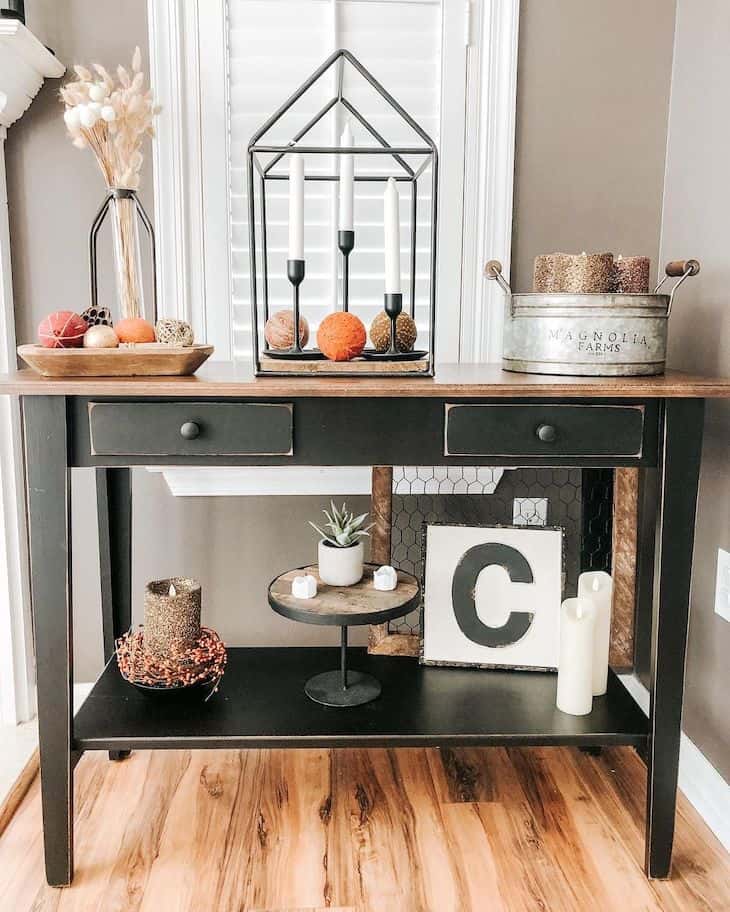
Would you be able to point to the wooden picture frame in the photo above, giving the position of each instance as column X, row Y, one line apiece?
column 381, row 640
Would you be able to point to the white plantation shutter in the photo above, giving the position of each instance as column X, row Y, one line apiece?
column 274, row 46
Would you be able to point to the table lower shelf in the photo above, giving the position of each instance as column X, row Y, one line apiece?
column 261, row 703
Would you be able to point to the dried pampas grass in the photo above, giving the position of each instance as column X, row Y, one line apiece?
column 112, row 118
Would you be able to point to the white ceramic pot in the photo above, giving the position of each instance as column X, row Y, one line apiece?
column 340, row 566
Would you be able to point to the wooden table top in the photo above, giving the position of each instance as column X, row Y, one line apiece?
column 223, row 380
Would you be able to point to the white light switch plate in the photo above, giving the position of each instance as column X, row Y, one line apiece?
column 722, row 585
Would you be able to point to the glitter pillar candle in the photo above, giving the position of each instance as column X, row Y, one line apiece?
column 171, row 615
column 631, row 275
column 548, row 273
column 588, row 273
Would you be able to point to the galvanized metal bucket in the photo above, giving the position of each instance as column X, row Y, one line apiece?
column 600, row 335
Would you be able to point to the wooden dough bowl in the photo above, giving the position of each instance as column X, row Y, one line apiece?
column 150, row 360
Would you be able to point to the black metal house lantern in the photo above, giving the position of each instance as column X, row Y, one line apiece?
column 398, row 351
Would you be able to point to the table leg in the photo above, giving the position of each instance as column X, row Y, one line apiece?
column 680, row 453
column 49, row 502
column 114, row 516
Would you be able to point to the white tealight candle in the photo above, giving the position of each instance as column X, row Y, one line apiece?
column 597, row 587
column 385, row 578
column 575, row 665
column 304, row 587
column 392, row 238
column 347, row 182
column 296, row 208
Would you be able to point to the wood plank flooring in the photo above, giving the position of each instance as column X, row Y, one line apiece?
column 449, row 830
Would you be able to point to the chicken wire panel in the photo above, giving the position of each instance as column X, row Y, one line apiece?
column 597, row 531
column 481, row 496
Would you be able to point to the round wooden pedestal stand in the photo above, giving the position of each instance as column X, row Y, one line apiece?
column 344, row 606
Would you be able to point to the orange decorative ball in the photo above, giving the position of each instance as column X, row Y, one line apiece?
column 341, row 336
column 134, row 329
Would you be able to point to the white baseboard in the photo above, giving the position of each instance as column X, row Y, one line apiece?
column 700, row 782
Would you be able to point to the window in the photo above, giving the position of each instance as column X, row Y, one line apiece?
column 221, row 68
column 401, row 41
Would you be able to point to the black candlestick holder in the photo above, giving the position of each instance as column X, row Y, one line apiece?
column 346, row 243
column 393, row 307
column 295, row 274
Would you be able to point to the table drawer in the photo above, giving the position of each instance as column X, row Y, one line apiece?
column 544, row 430
column 191, row 428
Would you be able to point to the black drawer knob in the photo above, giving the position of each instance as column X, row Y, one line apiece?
column 547, row 433
column 190, row 430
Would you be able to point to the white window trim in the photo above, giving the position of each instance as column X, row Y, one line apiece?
column 24, row 63
column 191, row 156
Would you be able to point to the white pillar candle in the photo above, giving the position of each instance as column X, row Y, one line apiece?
column 575, row 665
column 296, row 208
column 347, row 182
column 597, row 587
column 392, row 238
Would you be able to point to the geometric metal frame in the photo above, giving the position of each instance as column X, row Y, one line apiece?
column 404, row 173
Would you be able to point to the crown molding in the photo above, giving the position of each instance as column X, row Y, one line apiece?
column 24, row 64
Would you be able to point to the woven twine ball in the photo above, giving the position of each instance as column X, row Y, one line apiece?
column 631, row 275
column 171, row 619
column 588, row 273
column 174, row 332
column 279, row 330
column 405, row 332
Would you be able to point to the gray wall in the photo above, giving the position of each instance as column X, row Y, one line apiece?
column 581, row 183
column 695, row 223
column 592, row 97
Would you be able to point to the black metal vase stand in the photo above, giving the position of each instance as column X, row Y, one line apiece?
column 116, row 194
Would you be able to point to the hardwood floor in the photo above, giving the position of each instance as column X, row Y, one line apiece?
column 503, row 830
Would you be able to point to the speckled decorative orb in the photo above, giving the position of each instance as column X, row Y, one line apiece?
column 100, row 336
column 174, row 332
column 279, row 331
column 341, row 336
column 97, row 316
column 405, row 332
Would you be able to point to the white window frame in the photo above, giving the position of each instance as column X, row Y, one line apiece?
column 24, row 64
column 188, row 59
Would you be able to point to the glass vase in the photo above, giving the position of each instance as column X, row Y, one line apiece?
column 127, row 253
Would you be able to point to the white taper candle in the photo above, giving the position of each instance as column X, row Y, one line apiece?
column 575, row 665
column 296, row 208
column 347, row 182
column 392, row 238
column 597, row 587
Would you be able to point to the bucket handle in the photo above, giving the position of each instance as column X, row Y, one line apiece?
column 493, row 270
column 677, row 269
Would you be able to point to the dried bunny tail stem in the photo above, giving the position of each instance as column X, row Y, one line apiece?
column 124, row 212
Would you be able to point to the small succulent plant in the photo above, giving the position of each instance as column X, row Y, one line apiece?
column 344, row 527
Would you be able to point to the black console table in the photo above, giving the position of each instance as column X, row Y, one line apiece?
column 469, row 415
